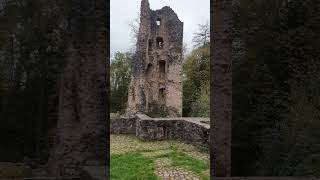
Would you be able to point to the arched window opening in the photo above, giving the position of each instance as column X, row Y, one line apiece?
column 158, row 21
column 159, row 42
column 162, row 69
column 162, row 95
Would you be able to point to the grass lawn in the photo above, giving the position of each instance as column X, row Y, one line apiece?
column 132, row 159
column 132, row 166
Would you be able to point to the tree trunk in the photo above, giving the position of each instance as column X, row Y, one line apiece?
column 221, row 86
column 82, row 131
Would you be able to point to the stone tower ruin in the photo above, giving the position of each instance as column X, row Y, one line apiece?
column 156, row 81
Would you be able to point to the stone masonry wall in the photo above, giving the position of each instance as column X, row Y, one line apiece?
column 82, row 124
column 191, row 130
column 123, row 125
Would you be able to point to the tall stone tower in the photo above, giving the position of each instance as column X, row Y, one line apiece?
column 156, row 82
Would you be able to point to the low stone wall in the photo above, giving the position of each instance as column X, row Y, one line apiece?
column 191, row 130
column 122, row 125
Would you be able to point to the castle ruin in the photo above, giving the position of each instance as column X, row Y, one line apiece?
column 156, row 81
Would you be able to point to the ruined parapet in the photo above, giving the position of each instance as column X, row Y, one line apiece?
column 191, row 130
column 194, row 130
column 156, row 82
column 123, row 125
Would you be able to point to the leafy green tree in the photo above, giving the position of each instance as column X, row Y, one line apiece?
column 201, row 106
column 196, row 83
column 120, row 79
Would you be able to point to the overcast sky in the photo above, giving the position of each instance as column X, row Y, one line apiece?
column 191, row 12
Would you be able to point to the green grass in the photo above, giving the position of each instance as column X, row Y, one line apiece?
column 183, row 160
column 132, row 166
column 132, row 159
column 203, row 149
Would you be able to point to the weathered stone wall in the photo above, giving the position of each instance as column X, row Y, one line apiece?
column 123, row 125
column 191, row 130
column 82, row 124
column 156, row 82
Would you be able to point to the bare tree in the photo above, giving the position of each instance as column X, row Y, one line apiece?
column 134, row 26
column 202, row 37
